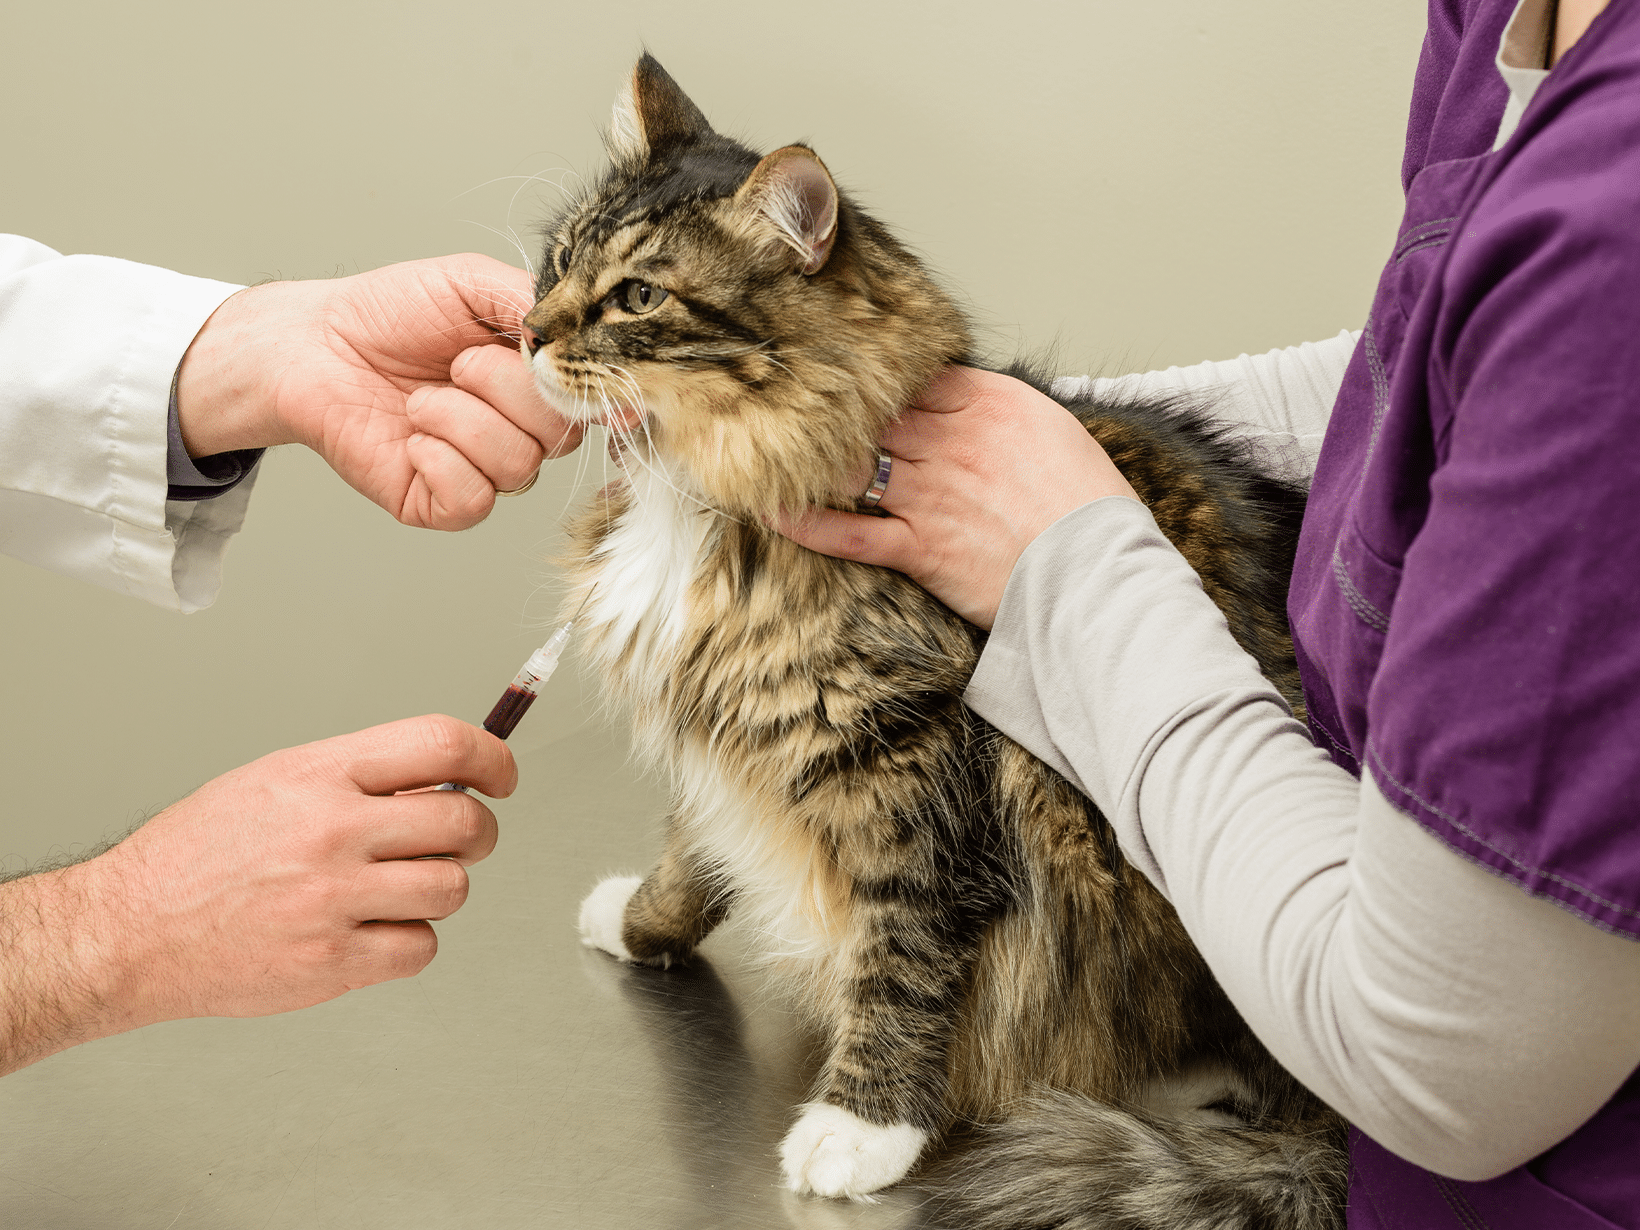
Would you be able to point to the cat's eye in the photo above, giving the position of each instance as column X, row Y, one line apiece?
column 563, row 260
column 640, row 297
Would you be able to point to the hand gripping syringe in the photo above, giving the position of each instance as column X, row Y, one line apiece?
column 526, row 685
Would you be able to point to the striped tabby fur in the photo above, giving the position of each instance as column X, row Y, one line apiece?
column 958, row 919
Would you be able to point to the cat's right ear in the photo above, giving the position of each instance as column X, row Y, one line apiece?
column 653, row 113
column 791, row 196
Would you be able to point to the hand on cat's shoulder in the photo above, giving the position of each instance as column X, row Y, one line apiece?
column 982, row 464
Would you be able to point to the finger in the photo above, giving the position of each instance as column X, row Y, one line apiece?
column 447, row 491
column 433, row 823
column 500, row 377
column 493, row 443
column 884, row 541
column 386, row 950
column 424, row 751
column 399, row 890
column 919, row 435
column 905, row 486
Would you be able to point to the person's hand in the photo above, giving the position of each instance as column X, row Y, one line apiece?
column 276, row 886
column 983, row 463
column 407, row 380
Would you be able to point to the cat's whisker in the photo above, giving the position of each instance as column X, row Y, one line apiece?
column 517, row 300
column 626, row 434
column 583, row 465
column 529, row 263
column 540, row 177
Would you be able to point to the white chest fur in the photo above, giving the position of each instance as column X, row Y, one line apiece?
column 786, row 887
column 644, row 570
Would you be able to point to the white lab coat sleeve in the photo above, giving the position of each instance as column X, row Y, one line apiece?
column 88, row 346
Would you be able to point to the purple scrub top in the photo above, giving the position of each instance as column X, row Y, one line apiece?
column 1466, row 600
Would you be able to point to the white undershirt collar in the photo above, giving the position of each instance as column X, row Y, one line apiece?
column 1523, row 53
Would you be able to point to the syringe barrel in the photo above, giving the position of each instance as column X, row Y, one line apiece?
column 512, row 706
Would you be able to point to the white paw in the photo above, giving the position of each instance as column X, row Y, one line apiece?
column 833, row 1152
column 603, row 912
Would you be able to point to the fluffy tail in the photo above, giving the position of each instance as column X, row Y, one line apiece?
column 1069, row 1163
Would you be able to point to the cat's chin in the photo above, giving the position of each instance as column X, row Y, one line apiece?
column 584, row 409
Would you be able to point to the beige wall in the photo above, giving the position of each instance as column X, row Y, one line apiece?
column 1137, row 184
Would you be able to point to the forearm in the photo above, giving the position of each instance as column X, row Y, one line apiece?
column 50, row 993
column 1278, row 402
column 1344, row 934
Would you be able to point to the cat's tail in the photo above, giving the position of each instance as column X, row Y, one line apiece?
column 1070, row 1163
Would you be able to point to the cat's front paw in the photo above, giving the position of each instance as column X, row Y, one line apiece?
column 603, row 913
column 833, row 1152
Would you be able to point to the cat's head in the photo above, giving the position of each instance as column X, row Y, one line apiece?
column 737, row 318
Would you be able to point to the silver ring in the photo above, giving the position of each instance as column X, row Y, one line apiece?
column 530, row 482
column 879, row 484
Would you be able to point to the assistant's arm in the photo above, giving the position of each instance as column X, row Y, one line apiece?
column 1277, row 402
column 1377, row 965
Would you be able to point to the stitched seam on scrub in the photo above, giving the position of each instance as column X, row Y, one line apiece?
column 1365, row 611
column 1433, row 241
column 1378, row 761
column 1332, row 738
column 1459, row 1203
column 1422, row 232
column 1380, row 391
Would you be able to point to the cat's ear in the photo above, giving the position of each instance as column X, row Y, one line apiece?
column 792, row 191
column 652, row 113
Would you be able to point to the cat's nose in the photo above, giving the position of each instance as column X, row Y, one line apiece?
column 532, row 341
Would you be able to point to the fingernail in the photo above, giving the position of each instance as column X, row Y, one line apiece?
column 459, row 363
column 414, row 401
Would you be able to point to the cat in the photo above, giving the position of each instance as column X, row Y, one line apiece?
column 960, row 923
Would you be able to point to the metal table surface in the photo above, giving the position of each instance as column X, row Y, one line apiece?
column 522, row 1080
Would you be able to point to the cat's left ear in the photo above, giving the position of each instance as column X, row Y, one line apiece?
column 792, row 191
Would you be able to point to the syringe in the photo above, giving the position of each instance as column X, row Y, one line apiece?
column 526, row 685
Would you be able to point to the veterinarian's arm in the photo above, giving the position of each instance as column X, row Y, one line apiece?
column 407, row 380
column 1279, row 401
column 279, row 885
column 388, row 375
column 88, row 346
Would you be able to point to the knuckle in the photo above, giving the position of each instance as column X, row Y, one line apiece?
column 474, row 826
column 853, row 543
column 409, row 947
column 453, row 888
column 444, row 736
column 479, row 364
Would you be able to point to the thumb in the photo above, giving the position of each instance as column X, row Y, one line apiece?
column 499, row 376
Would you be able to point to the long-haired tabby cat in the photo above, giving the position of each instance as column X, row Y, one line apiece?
column 958, row 920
